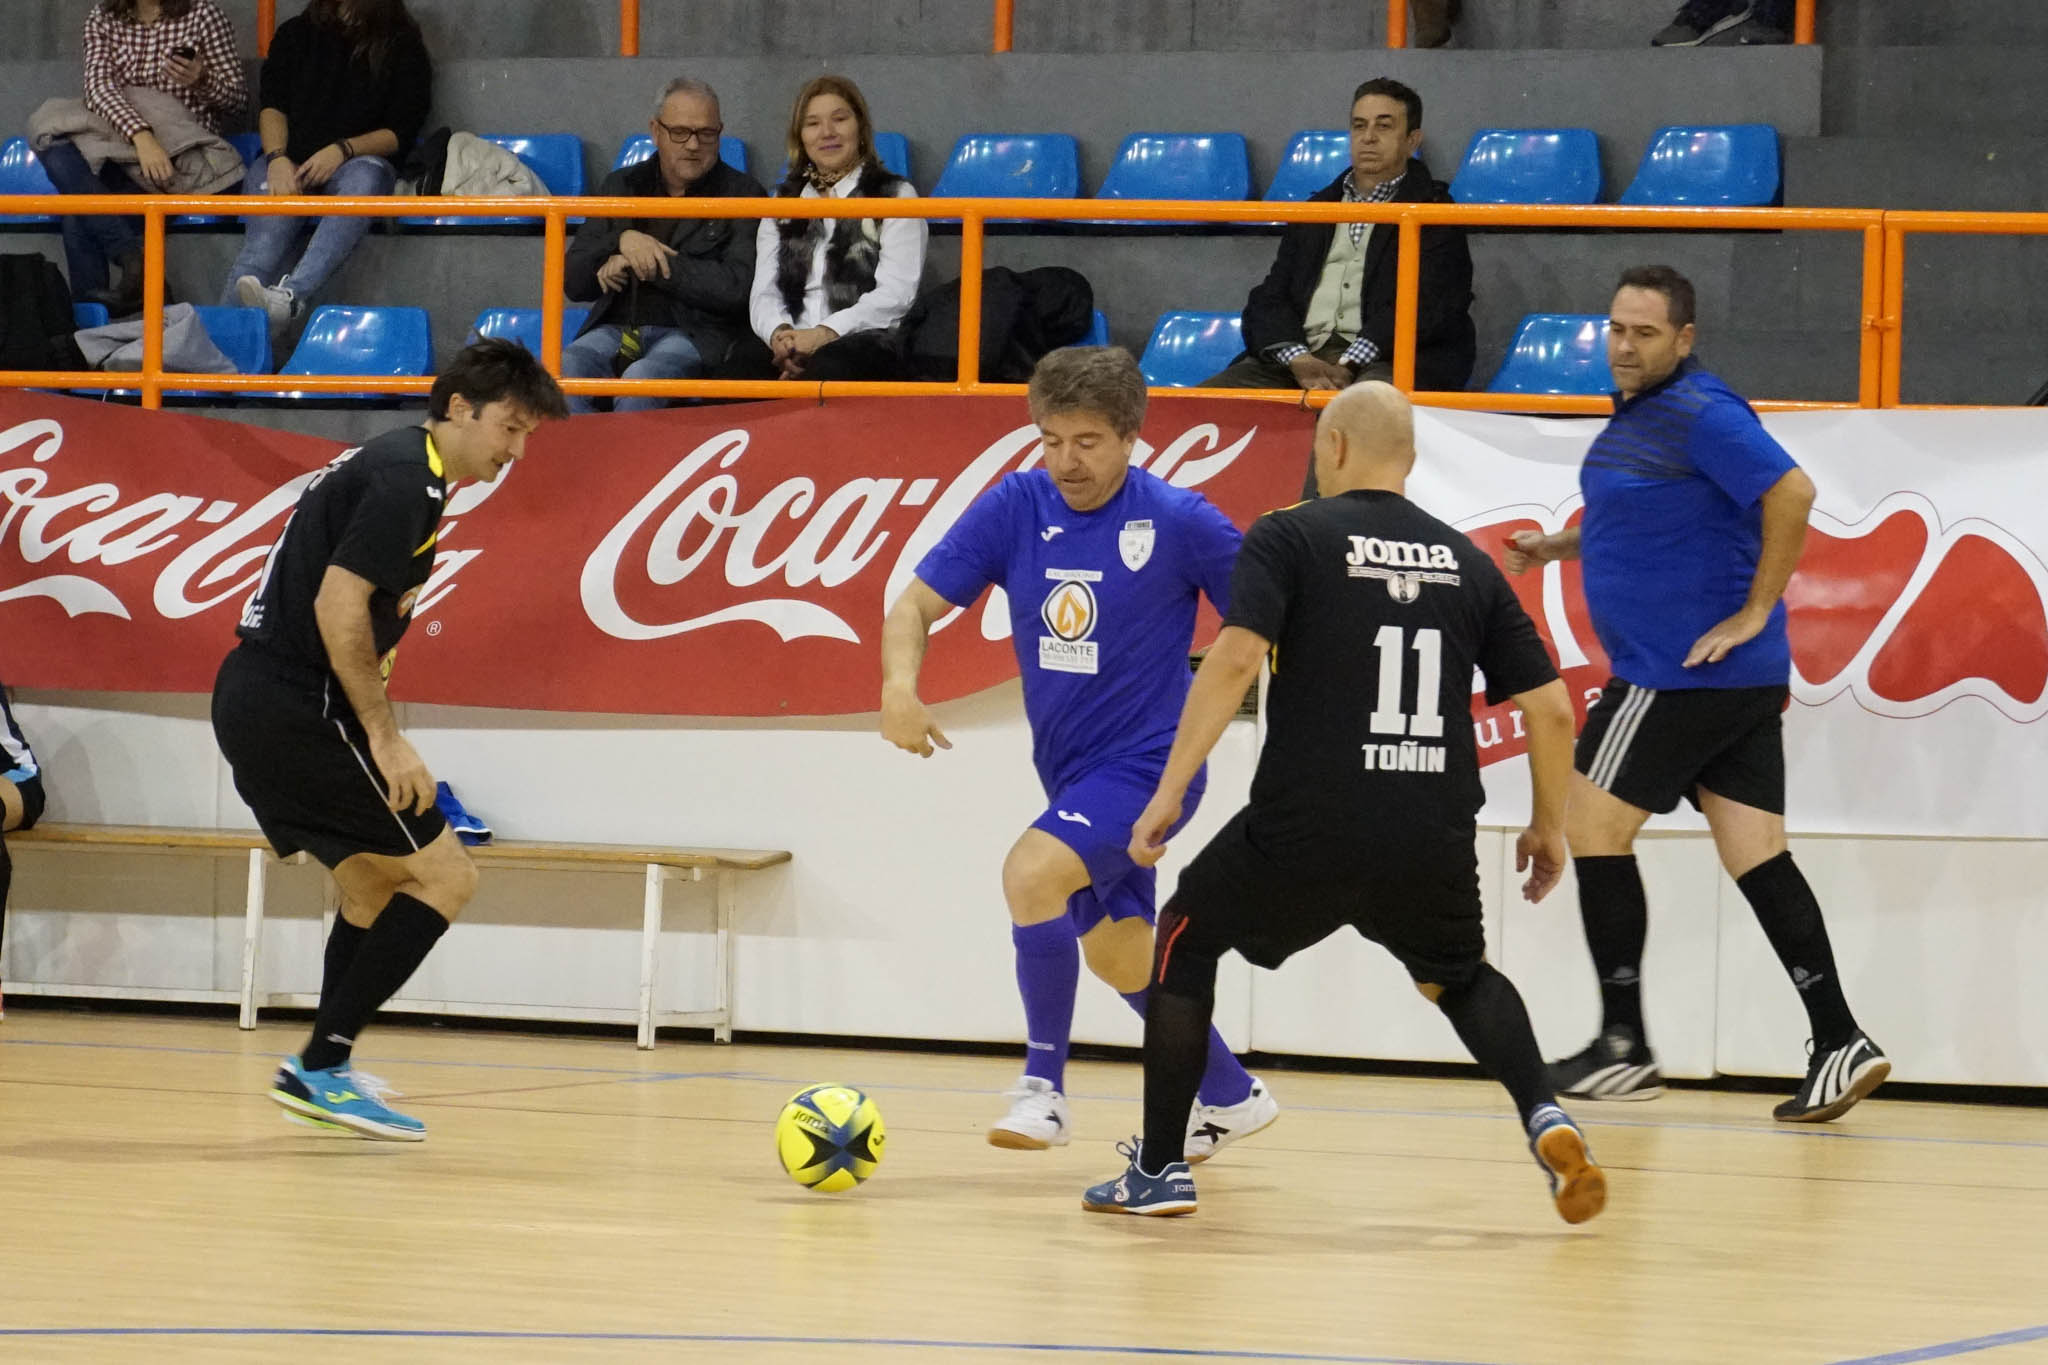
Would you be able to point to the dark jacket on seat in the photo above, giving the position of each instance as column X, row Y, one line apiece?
column 709, row 279
column 1275, row 313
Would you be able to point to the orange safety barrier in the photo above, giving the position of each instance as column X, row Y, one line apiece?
column 1877, row 379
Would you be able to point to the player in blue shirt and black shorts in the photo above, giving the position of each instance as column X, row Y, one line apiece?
column 1694, row 518
column 1102, row 565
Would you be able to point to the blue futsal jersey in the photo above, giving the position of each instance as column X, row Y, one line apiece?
column 1102, row 607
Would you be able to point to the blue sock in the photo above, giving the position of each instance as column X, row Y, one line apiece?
column 1224, row 1081
column 1048, row 969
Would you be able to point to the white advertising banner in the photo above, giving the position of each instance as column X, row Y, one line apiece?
column 1919, row 615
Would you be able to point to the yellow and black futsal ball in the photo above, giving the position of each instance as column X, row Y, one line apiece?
column 829, row 1137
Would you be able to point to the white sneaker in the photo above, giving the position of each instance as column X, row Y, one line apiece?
column 1037, row 1118
column 277, row 301
column 1212, row 1127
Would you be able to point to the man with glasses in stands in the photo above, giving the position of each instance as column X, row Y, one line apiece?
column 671, row 293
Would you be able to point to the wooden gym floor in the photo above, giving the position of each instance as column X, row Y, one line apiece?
column 581, row 1201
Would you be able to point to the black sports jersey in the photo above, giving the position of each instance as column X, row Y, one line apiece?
column 17, row 760
column 374, row 511
column 1378, row 614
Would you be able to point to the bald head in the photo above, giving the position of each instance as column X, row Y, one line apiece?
column 1365, row 439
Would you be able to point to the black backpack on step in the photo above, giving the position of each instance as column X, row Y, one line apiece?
column 36, row 325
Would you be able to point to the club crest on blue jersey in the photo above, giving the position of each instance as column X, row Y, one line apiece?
column 1134, row 543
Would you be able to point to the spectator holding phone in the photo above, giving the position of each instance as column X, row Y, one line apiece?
column 185, row 48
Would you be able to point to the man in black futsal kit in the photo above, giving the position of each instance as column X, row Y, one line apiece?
column 1366, row 799
column 300, row 711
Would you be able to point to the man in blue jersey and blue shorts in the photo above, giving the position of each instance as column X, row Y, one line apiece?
column 1694, row 521
column 1103, row 565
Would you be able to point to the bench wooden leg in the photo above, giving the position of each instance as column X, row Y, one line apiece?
column 252, row 935
column 650, row 943
column 728, row 895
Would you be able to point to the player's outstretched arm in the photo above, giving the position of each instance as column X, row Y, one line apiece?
column 1540, row 851
column 906, row 722
column 1231, row 665
column 1527, row 549
column 342, row 609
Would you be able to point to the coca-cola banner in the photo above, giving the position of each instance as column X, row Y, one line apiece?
column 737, row 561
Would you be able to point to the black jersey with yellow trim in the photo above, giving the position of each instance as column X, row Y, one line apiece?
column 374, row 511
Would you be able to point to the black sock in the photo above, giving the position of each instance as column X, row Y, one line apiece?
column 1492, row 1022
column 1176, row 1052
column 1617, row 919
column 342, row 942
column 6, row 885
column 391, row 951
column 1791, row 919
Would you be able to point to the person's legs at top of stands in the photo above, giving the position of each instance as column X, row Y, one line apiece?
column 667, row 353
column 267, row 243
column 285, row 299
column 1727, row 23
column 590, row 357
column 94, row 241
column 1433, row 20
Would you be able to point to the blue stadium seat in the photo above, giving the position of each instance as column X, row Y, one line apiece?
column 1557, row 353
column 640, row 146
column 523, row 325
column 1530, row 166
column 894, row 149
column 1707, row 167
column 1179, row 166
column 1098, row 332
column 21, row 173
column 1012, row 166
column 242, row 334
column 1187, row 348
column 250, row 145
column 350, row 339
column 89, row 315
column 556, row 159
column 1312, row 160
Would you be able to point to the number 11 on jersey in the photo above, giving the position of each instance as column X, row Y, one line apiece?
column 1426, row 721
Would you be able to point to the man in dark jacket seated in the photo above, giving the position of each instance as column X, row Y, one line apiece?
column 1323, row 318
column 671, row 292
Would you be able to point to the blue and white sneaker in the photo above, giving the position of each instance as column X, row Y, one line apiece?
column 467, row 827
column 337, row 1098
column 1577, row 1185
column 1165, row 1195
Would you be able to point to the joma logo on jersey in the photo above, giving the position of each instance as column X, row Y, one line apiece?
column 1399, row 554
column 1070, row 614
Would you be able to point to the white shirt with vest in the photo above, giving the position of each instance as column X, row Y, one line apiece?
column 897, row 272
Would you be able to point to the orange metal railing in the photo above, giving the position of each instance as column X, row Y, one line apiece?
column 1877, row 375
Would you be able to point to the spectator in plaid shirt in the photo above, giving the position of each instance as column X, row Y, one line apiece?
column 1323, row 318
column 185, row 48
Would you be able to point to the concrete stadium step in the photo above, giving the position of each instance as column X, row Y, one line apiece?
column 1977, row 171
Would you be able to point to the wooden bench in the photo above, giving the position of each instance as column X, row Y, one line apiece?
column 656, row 865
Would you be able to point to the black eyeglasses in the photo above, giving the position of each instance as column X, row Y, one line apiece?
column 685, row 136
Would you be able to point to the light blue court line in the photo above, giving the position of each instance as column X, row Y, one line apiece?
column 728, row 1339
column 1949, row 1349
column 1774, row 1130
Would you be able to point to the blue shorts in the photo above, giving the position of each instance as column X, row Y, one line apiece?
column 1093, row 816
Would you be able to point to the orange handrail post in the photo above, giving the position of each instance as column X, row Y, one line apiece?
column 970, row 300
column 1893, row 316
column 153, row 307
column 1870, row 344
column 1397, row 23
column 629, row 28
column 554, row 267
column 1005, row 25
column 1407, row 301
column 1802, row 22
column 266, row 24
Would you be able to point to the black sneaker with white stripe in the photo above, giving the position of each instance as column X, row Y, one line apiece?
column 1615, row 1066
column 1836, row 1078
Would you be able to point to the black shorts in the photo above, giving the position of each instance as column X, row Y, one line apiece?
column 32, row 800
column 1650, row 748
column 1418, row 900
column 302, row 762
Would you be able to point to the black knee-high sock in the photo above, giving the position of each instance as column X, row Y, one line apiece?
column 1617, row 919
column 1177, row 1018
column 1492, row 1022
column 342, row 942
column 391, row 951
column 6, row 885
column 1791, row 919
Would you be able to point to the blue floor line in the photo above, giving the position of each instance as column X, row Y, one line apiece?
column 729, row 1338
column 1949, row 1349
